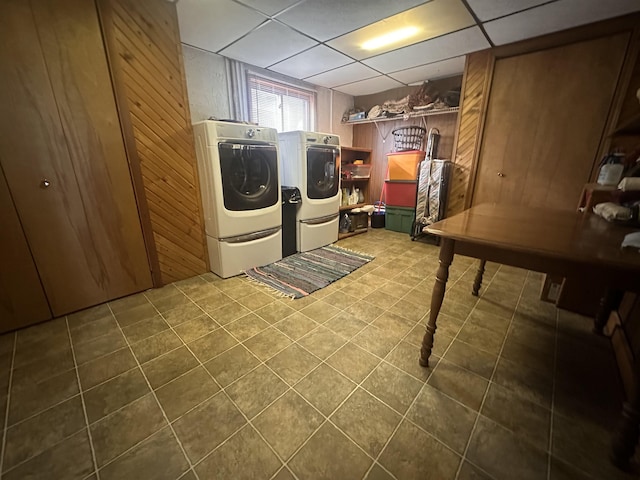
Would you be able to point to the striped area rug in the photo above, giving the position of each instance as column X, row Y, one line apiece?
column 299, row 275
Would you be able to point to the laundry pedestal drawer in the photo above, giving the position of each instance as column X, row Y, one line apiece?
column 241, row 256
column 315, row 233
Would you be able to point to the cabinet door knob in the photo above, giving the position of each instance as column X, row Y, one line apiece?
column 45, row 183
column 500, row 174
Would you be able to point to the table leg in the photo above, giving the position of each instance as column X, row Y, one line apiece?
column 446, row 256
column 609, row 302
column 626, row 435
column 477, row 283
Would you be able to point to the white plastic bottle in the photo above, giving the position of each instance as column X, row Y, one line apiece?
column 611, row 171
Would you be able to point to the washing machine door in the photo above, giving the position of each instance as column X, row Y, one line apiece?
column 323, row 172
column 249, row 176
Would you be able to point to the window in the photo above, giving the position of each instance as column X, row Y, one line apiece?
column 278, row 105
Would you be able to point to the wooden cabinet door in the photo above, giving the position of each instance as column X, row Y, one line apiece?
column 60, row 128
column 545, row 118
column 22, row 299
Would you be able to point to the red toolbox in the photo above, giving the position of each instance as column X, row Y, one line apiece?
column 400, row 193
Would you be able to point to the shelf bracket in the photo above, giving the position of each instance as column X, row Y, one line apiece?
column 384, row 137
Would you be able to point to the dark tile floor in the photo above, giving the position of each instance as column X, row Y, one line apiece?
column 220, row 379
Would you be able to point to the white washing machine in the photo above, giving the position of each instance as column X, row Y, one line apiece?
column 240, row 189
column 311, row 162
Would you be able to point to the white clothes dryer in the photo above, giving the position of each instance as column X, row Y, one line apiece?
column 311, row 162
column 240, row 190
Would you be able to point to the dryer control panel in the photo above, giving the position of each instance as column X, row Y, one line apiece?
column 322, row 139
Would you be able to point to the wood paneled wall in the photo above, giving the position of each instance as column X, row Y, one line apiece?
column 476, row 91
column 146, row 62
column 467, row 142
column 379, row 138
column 629, row 108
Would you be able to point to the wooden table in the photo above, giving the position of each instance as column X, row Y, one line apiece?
column 561, row 242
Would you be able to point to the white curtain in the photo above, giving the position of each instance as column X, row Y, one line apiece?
column 237, row 81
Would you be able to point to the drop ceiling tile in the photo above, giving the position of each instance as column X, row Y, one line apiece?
column 202, row 25
column 349, row 73
column 268, row 44
column 311, row 62
column 490, row 9
column 555, row 16
column 432, row 71
column 326, row 19
column 440, row 48
column 270, row 7
column 430, row 20
column 369, row 86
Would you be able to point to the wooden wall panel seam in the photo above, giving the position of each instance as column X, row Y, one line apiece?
column 158, row 14
column 160, row 106
column 484, row 94
column 149, row 73
column 104, row 17
column 162, row 128
column 125, row 26
column 130, row 51
column 180, row 192
column 158, row 110
column 148, row 35
column 183, row 83
column 158, row 157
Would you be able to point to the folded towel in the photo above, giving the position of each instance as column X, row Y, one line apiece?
column 611, row 211
column 629, row 183
column 631, row 240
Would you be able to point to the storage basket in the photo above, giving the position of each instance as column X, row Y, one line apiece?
column 408, row 138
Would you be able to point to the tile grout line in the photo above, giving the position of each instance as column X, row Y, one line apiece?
column 295, row 341
column 6, row 412
column 223, row 391
column 84, row 407
column 164, row 414
column 264, row 362
column 290, row 388
column 359, row 385
column 553, row 396
column 495, row 367
column 404, row 416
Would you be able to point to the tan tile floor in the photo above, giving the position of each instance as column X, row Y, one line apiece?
column 219, row 379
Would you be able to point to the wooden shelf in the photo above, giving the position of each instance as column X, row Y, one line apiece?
column 351, row 234
column 630, row 127
column 356, row 149
column 344, row 208
column 406, row 116
column 355, row 179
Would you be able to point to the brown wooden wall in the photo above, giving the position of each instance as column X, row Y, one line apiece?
column 146, row 61
column 477, row 90
column 378, row 137
column 474, row 97
column 629, row 108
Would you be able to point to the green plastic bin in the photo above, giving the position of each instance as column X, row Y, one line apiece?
column 399, row 219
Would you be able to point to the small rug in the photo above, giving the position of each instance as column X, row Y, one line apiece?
column 298, row 275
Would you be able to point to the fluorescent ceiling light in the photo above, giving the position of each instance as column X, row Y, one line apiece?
column 431, row 19
column 389, row 38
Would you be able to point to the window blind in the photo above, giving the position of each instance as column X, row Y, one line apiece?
column 280, row 106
